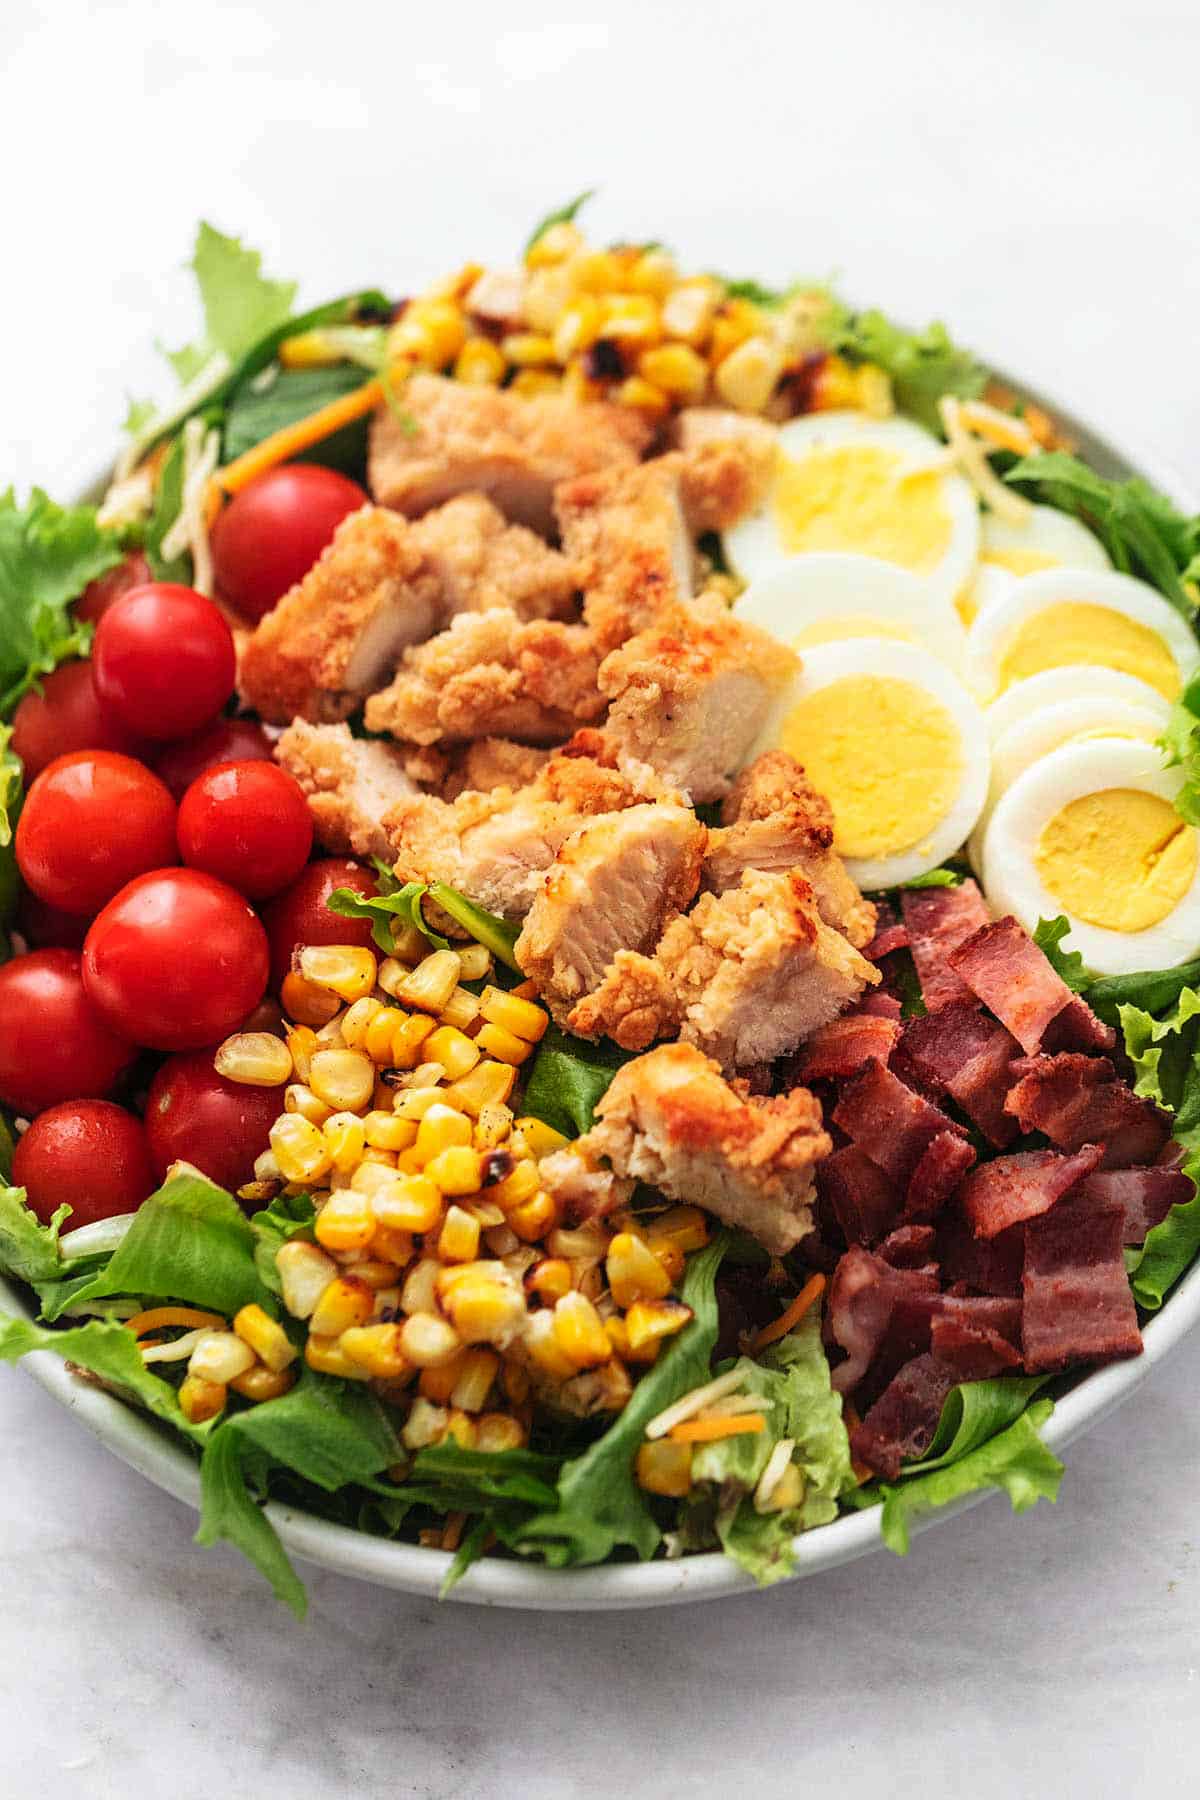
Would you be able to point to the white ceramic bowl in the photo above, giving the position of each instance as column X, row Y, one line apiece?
column 156, row 1453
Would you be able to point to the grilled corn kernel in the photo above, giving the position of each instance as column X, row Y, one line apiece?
column 356, row 1020
column 343, row 1079
column 408, row 1035
column 517, row 1187
column 641, row 394
column 578, row 384
column 347, row 969
column 427, row 1340
column 329, row 1037
column 500, row 1240
column 373, row 1177
column 533, row 382
column 528, row 349
column 580, row 1332
column 492, row 1126
column 458, row 1240
column 255, row 1059
column 559, row 240
column 533, row 1218
column 594, row 271
column 440, row 1128
column 346, row 1138
column 482, row 1308
column 479, row 363
column 431, row 983
column 430, row 331
column 260, row 1383
column 384, row 1131
column 586, row 1243
column 578, row 328
column 307, row 1003
column 735, row 321
column 684, row 1226
column 219, row 1356
column 408, row 1203
column 300, row 1150
column 687, row 311
column 654, row 273
column 503, row 1045
column 304, row 1274
column 487, row 1084
column 327, row 1357
column 539, row 1138
column 541, row 1345
column 549, row 1279
column 302, row 1046
column 300, row 1099
column 670, row 1256
column 394, row 1246
column 346, row 1221
column 200, row 1400
column 649, row 1321
column 634, row 1272
column 437, row 1383
column 380, row 1274
column 475, row 1375
column 453, row 1049
column 265, row 1336
column 426, row 1425
column 461, row 1009
column 664, row 1467
column 377, row 1349
column 675, row 369
column 514, row 1379
column 410, row 1161
column 345, row 1302
column 460, row 1429
column 520, row 1017
column 456, row 1170
column 497, row 1431
column 474, row 961
column 746, row 378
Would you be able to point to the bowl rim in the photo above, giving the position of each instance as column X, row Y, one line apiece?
column 145, row 1445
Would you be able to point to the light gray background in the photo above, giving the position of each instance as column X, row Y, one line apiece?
column 1028, row 171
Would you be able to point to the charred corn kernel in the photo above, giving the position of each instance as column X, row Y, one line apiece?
column 456, row 1170
column 384, row 1131
column 327, row 1357
column 304, row 1274
column 492, row 1126
column 408, row 1035
column 539, row 1138
column 547, row 295
column 408, row 1203
column 670, row 1256
column 649, row 1321
column 460, row 1010
column 540, row 1343
column 300, row 1150
column 746, row 378
column 393, row 970
column 431, row 983
column 579, row 1331
column 520, row 1017
column 578, row 328
column 618, row 1336
column 260, row 1383
column 586, row 1243
column 307, row 1004
column 437, row 1383
column 419, row 1292
column 453, row 1049
column 345, row 1302
column 432, row 331
column 394, row 1246
column 343, row 1079
column 302, row 1046
column 379, row 1273
column 684, row 1226
column 497, row 1431
column 578, row 384
column 347, row 969
column 517, row 1187
column 458, row 1240
column 552, row 245
column 300, row 1099
column 485, row 1212
column 528, row 349
column 356, row 1020
column 675, row 369
column 255, row 1059
column 653, row 272
column 482, row 1309
column 735, row 321
column 503, row 1045
column 427, row 1340
column 501, row 1240
column 376, row 1348
column 460, row 1427
column 346, row 1138
column 219, row 1356
column 835, row 386
column 514, row 1379
column 532, row 382
column 663, row 1467
column 637, row 392
column 475, row 1375
column 480, row 363
column 688, row 310
column 257, row 1193
column 426, row 1425
column 474, row 961
column 488, row 1084
column 265, row 1336
column 533, row 1218
column 634, row 1272
column 200, row 1400
column 595, row 271
column 372, row 1177
column 346, row 1221
column 549, row 1279
column 266, row 1169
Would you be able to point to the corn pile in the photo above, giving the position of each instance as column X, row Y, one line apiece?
column 442, row 1271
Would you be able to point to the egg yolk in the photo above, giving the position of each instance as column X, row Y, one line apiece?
column 1120, row 859
column 856, row 497
column 884, row 752
column 832, row 630
column 1078, row 632
column 1020, row 561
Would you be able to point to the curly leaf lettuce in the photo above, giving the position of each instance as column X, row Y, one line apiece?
column 109, row 1351
column 568, row 1078
column 190, row 1241
column 1015, row 1460
column 1165, row 1054
column 48, row 554
column 240, row 304
column 1067, row 964
column 1180, row 744
column 923, row 365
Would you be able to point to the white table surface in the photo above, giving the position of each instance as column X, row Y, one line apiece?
column 1025, row 170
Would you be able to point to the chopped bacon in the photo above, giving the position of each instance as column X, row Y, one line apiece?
column 988, row 1265
column 1003, row 966
column 888, row 1121
column 844, row 1045
column 901, row 1424
column 938, row 920
column 890, row 934
column 1015, row 1188
column 1078, row 1302
column 961, row 1052
column 1078, row 1100
column 1145, row 1196
column 1077, row 1028
column 864, row 1200
column 973, row 1345
column 944, row 1161
column 909, row 1247
column 862, row 1298
column 880, row 1004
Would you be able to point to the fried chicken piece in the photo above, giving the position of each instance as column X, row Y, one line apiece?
column 485, row 440
column 342, row 628
column 488, row 676
column 626, row 532
column 613, row 886
column 671, row 1119
column 350, row 783
column 634, row 1004
column 482, row 561
column 729, row 462
column 487, row 763
column 583, row 1189
column 774, row 819
column 690, row 695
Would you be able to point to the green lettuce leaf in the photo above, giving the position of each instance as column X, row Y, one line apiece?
column 472, row 1480
column 228, row 1510
column 562, row 215
column 934, row 878
column 1068, row 964
column 974, row 1412
column 189, row 1241
column 105, row 1349
column 1165, row 1054
column 1152, row 990
column 1180, row 743
column 241, row 305
column 567, row 1079
column 28, row 1249
column 288, row 1216
column 168, row 501
column 48, row 554
column 403, row 904
column 495, row 934
column 923, row 365
column 294, row 394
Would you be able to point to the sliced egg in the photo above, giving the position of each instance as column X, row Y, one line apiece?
column 826, row 597
column 1071, row 682
column 874, row 487
column 897, row 746
column 1090, row 832
column 1045, row 539
column 1080, row 616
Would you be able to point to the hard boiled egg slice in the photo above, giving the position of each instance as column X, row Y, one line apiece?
column 825, row 597
column 1072, row 682
column 1090, row 832
column 875, row 487
column 1080, row 616
column 896, row 744
column 1045, row 539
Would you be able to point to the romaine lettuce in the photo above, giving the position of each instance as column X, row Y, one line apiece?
column 1165, row 1054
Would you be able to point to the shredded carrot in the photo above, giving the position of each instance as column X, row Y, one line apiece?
column 159, row 1316
column 453, row 1530
column 787, row 1321
column 707, row 1431
column 281, row 446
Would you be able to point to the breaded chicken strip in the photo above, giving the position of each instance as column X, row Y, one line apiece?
column 670, row 1119
column 482, row 561
column 350, row 783
column 730, row 460
column 484, row 440
column 626, row 531
column 488, row 763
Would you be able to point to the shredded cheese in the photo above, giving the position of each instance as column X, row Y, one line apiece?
column 189, row 532
column 696, row 1401
column 773, row 1474
column 1003, row 429
column 973, row 462
column 791, row 1317
column 191, row 394
column 302, row 435
column 179, row 1350
column 733, row 1404
column 707, row 1430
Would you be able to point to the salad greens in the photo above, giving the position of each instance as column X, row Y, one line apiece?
column 255, row 413
column 923, row 365
column 1165, row 1053
column 1067, row 964
column 561, row 215
column 1181, row 746
column 567, row 1078
column 405, row 904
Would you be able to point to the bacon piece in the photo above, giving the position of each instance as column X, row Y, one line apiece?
column 944, row 1162
column 888, row 1122
column 961, row 1052
column 1145, row 1196
column 938, row 920
column 890, row 933
column 1003, row 966
column 988, row 1265
column 901, row 1424
column 844, row 1045
column 864, row 1200
column 909, row 1247
column 862, row 1299
column 974, row 1344
column 1078, row 1100
column 1078, row 1028
column 1078, row 1302
column 1015, row 1188
column 880, row 1004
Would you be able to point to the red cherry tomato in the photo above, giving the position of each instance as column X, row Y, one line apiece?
column 225, row 740
column 272, row 533
column 176, row 960
column 163, row 661
column 90, row 823
column 48, row 927
column 248, row 824
column 66, row 716
column 195, row 1115
column 300, row 915
column 54, row 1045
column 99, row 595
column 88, row 1154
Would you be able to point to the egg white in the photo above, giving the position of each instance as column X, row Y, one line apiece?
column 754, row 548
column 1010, row 875
column 1055, row 535
column 822, row 588
column 1073, row 681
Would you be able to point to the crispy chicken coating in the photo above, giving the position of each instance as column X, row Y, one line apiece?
column 350, row 783
column 482, row 561
column 626, row 531
column 729, row 461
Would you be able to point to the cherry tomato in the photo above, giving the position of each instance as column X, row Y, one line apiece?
column 248, row 824
column 271, row 534
column 163, row 661
column 195, row 1115
column 176, row 960
column 225, row 740
column 54, row 1045
column 300, row 915
column 99, row 595
column 91, row 1155
column 45, row 927
column 90, row 823
column 66, row 716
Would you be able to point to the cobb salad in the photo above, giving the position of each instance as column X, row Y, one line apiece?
column 603, row 918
